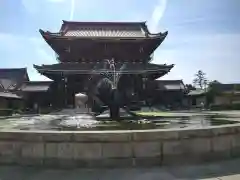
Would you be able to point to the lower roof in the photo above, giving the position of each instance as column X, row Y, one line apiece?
column 90, row 68
column 65, row 69
column 197, row 92
column 35, row 86
column 9, row 95
column 170, row 85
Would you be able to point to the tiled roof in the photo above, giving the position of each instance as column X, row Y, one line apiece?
column 107, row 32
column 103, row 29
column 226, row 87
column 11, row 79
column 197, row 92
column 36, row 86
column 170, row 85
column 85, row 68
column 9, row 95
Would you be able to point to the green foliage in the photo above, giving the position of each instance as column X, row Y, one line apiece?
column 6, row 112
column 226, row 107
column 45, row 110
column 237, row 87
column 212, row 91
column 200, row 79
column 189, row 87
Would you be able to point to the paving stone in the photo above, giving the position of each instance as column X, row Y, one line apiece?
column 147, row 149
column 222, row 144
column 117, row 150
column 102, row 137
column 172, row 148
column 194, row 133
column 33, row 150
column 10, row 148
column 51, row 150
column 57, row 137
column 65, row 150
column 196, row 145
column 87, row 151
column 155, row 135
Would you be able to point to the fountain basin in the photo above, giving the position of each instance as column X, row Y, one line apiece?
column 75, row 121
column 125, row 148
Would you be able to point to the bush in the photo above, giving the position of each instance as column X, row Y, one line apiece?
column 6, row 112
column 236, row 106
column 225, row 107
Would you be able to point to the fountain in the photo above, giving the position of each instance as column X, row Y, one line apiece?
column 81, row 102
column 107, row 88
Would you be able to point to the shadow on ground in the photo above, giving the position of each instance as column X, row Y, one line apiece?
column 220, row 170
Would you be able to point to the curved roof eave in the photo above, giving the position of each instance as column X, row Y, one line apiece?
column 58, row 36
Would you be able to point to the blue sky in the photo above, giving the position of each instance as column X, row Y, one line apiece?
column 203, row 34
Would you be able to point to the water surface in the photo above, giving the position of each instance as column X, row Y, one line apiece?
column 80, row 122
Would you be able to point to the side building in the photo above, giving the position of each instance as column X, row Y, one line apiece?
column 167, row 94
column 18, row 93
column 218, row 96
column 10, row 81
column 37, row 95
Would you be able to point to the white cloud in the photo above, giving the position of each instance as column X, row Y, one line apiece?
column 56, row 1
column 36, row 6
column 72, row 9
column 216, row 54
column 157, row 14
column 21, row 51
column 31, row 6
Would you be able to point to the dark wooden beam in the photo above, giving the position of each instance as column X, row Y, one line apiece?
column 75, row 50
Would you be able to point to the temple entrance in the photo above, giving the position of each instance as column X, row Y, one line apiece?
column 83, row 57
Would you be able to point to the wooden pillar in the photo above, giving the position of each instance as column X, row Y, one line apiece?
column 144, row 88
column 70, row 92
column 65, row 92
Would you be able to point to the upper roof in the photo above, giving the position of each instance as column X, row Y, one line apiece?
column 35, row 86
column 11, row 79
column 103, row 29
column 78, row 40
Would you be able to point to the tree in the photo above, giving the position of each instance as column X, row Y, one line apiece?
column 214, row 82
column 200, row 80
column 189, row 87
column 213, row 91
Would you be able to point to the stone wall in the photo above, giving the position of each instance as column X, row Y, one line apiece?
column 226, row 100
column 119, row 148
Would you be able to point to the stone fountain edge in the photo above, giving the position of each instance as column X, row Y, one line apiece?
column 120, row 148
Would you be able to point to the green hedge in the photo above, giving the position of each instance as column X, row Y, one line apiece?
column 225, row 107
column 6, row 112
column 9, row 112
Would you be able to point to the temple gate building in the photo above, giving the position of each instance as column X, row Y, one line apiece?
column 82, row 47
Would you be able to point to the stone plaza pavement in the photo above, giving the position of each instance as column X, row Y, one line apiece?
column 225, row 170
